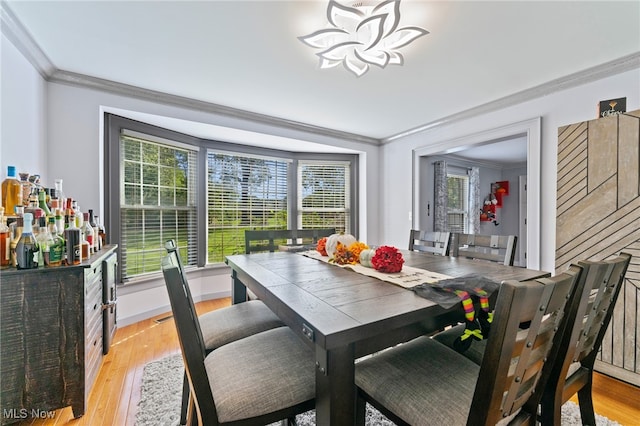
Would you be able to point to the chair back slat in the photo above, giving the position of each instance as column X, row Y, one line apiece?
column 523, row 332
column 495, row 248
column 429, row 242
column 271, row 239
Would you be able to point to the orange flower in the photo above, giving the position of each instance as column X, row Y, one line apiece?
column 356, row 248
column 322, row 246
column 343, row 256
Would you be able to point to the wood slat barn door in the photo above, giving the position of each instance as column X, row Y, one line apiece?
column 598, row 216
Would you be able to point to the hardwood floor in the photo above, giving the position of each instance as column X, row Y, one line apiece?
column 116, row 393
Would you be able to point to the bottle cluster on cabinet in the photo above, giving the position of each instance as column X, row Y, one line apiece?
column 43, row 227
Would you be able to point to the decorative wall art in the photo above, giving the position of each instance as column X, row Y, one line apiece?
column 493, row 201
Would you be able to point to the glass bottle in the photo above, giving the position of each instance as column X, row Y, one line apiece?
column 11, row 192
column 27, row 248
column 26, row 188
column 62, row 199
column 96, row 231
column 42, row 202
column 102, row 234
column 5, row 241
column 88, row 232
column 59, row 222
column 54, row 202
column 33, row 206
column 73, row 243
column 44, row 239
column 15, row 232
column 56, row 247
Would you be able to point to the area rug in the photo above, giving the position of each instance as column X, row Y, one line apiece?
column 162, row 391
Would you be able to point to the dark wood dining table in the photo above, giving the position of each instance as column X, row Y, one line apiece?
column 344, row 315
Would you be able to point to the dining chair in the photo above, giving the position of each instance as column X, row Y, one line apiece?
column 263, row 378
column 273, row 239
column 429, row 241
column 425, row 382
column 223, row 325
column 494, row 248
column 573, row 371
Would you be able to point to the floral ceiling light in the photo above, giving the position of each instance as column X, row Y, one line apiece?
column 363, row 34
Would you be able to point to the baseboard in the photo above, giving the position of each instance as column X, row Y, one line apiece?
column 123, row 322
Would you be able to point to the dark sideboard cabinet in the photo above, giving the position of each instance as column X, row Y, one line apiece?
column 55, row 326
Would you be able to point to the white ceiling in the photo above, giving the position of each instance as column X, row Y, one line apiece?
column 245, row 55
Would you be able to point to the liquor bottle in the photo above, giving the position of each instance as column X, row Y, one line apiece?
column 73, row 243
column 26, row 188
column 96, row 231
column 11, row 192
column 27, row 248
column 54, row 201
column 88, row 232
column 102, row 233
column 59, row 222
column 42, row 202
column 44, row 239
column 15, row 232
column 56, row 247
column 5, row 241
column 33, row 206
column 62, row 199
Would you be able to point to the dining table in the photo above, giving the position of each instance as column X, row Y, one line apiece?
column 344, row 315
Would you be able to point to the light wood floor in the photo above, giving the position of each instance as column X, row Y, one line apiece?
column 115, row 395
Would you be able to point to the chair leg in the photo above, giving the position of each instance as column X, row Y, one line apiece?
column 586, row 404
column 361, row 408
column 550, row 409
column 185, row 400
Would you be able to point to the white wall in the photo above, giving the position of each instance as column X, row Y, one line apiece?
column 22, row 114
column 558, row 109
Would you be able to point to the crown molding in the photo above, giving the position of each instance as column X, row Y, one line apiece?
column 13, row 29
column 81, row 80
column 617, row 66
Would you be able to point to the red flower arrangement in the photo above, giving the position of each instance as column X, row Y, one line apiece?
column 322, row 246
column 387, row 259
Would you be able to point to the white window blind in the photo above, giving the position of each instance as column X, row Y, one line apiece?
column 243, row 192
column 324, row 198
column 157, row 202
column 458, row 202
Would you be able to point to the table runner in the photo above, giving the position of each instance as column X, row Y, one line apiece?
column 408, row 278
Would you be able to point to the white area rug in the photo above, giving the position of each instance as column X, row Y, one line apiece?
column 162, row 392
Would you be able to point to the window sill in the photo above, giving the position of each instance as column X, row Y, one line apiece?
column 154, row 280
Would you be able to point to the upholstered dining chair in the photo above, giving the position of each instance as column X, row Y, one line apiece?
column 494, row 248
column 272, row 239
column 260, row 379
column 425, row 382
column 573, row 371
column 429, row 241
column 224, row 325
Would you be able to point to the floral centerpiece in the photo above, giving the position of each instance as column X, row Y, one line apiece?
column 321, row 247
column 348, row 254
column 387, row 259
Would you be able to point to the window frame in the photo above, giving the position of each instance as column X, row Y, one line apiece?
column 465, row 211
column 115, row 124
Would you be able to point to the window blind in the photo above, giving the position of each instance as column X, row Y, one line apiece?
column 157, row 202
column 243, row 192
column 324, row 199
column 458, row 201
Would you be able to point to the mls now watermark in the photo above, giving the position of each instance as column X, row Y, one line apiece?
column 24, row 413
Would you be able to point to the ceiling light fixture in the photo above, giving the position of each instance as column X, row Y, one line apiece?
column 365, row 33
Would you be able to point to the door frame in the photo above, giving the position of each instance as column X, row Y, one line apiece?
column 532, row 130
